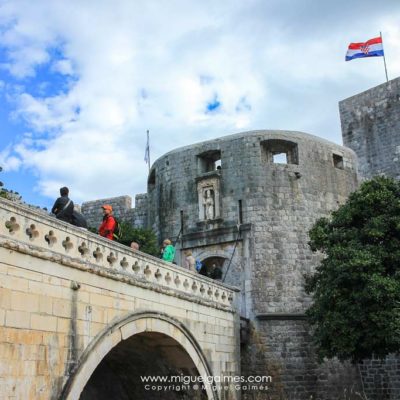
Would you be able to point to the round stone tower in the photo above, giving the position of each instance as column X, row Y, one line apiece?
column 243, row 204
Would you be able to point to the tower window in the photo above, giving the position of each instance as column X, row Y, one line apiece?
column 276, row 151
column 209, row 161
column 337, row 161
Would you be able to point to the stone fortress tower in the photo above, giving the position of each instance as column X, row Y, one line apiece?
column 371, row 127
column 244, row 204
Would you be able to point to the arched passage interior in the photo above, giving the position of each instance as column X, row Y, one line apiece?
column 147, row 354
column 213, row 267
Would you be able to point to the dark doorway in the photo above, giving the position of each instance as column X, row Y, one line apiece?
column 213, row 267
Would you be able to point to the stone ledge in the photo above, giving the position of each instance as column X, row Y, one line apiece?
column 48, row 255
column 281, row 316
column 224, row 234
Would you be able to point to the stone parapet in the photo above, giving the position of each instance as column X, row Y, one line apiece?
column 30, row 232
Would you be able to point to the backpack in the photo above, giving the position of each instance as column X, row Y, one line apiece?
column 78, row 220
column 199, row 264
column 117, row 230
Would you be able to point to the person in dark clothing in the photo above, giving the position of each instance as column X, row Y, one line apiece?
column 63, row 207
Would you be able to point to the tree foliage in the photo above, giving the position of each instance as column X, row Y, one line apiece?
column 146, row 238
column 8, row 194
column 356, row 288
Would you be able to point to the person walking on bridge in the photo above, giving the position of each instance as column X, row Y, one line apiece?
column 168, row 251
column 108, row 225
column 63, row 207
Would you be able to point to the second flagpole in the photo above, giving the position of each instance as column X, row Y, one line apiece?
column 384, row 59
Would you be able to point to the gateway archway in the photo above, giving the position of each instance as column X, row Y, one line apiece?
column 127, row 371
column 142, row 345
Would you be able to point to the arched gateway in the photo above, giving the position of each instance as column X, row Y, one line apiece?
column 135, row 349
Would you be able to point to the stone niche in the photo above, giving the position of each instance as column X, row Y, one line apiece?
column 208, row 190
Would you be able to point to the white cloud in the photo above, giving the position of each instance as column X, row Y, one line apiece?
column 9, row 162
column 63, row 67
column 156, row 65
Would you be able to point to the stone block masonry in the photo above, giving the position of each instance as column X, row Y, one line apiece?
column 122, row 209
column 371, row 127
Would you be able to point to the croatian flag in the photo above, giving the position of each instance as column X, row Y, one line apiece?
column 371, row 48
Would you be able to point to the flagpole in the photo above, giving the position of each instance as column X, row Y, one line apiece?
column 148, row 147
column 384, row 60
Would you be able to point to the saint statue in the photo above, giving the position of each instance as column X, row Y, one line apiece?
column 208, row 204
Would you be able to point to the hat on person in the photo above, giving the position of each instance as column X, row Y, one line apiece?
column 107, row 207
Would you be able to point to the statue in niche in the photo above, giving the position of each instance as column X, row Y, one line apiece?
column 209, row 204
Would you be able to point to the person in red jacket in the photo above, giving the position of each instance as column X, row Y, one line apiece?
column 108, row 225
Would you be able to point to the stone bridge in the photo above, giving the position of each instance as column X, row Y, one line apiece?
column 84, row 318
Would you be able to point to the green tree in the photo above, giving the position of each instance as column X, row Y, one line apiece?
column 146, row 238
column 356, row 288
column 8, row 194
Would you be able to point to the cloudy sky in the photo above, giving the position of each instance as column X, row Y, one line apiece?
column 82, row 81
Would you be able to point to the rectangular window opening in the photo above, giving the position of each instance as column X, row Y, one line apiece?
column 277, row 151
column 337, row 161
column 209, row 161
column 240, row 212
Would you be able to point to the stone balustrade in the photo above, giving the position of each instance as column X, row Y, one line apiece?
column 28, row 231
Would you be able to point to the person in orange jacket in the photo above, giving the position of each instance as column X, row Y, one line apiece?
column 108, row 225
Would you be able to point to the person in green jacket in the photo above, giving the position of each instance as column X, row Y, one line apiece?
column 167, row 251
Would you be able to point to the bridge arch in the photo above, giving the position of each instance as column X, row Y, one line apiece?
column 143, row 324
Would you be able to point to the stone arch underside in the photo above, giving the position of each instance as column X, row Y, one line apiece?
column 143, row 344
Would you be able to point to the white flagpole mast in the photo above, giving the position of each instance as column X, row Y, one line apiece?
column 384, row 59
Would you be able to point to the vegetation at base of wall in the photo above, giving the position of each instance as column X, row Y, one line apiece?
column 356, row 288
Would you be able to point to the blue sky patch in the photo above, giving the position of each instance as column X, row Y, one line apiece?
column 213, row 106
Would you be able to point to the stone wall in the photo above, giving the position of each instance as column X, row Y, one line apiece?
column 300, row 376
column 371, row 127
column 381, row 378
column 122, row 209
